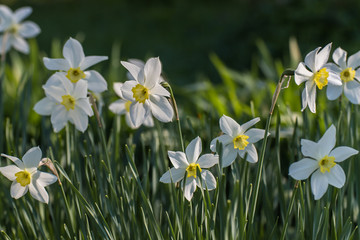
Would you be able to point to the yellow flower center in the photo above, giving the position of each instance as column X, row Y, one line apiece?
column 23, row 177
column 13, row 29
column 75, row 74
column 140, row 93
column 68, row 101
column 240, row 142
column 326, row 163
column 191, row 169
column 127, row 106
column 320, row 78
column 347, row 75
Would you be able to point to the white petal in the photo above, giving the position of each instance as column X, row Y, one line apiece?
column 252, row 155
column 327, row 141
column 91, row 60
column 336, row 177
column 59, row 118
column 208, row 160
column 255, row 135
column 8, row 44
column 333, row 92
column 302, row 169
column 32, row 157
column 79, row 118
column 138, row 112
column 352, row 91
column 161, row 108
column 85, row 106
column 178, row 159
column 20, row 44
column 128, row 121
column 152, row 71
column 244, row 127
column 228, row 155
column 22, row 13
column 73, row 52
column 224, row 139
column 193, row 150
column 10, row 171
column 302, row 74
column 229, row 126
column 354, row 60
column 29, row 29
column 173, row 175
column 6, row 17
column 118, row 107
column 334, row 77
column 38, row 192
column 79, row 90
column 208, row 180
column 343, row 153
column 319, row 184
column 310, row 149
column 43, row 178
column 132, row 68
column 311, row 95
column 190, row 187
column 15, row 160
column 17, row 191
column 339, row 57
column 54, row 93
column 96, row 82
column 159, row 90
column 56, row 64
column 310, row 59
column 322, row 57
column 126, row 90
column 45, row 106
column 117, row 88
column 149, row 121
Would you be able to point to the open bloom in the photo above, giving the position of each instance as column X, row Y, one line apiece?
column 237, row 140
column 122, row 107
column 65, row 102
column 321, row 161
column 315, row 73
column 14, row 30
column 347, row 72
column 146, row 93
column 75, row 64
column 26, row 177
column 190, row 163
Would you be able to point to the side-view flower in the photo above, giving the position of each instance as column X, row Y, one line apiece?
column 14, row 30
column 146, row 93
column 321, row 161
column 190, row 163
column 66, row 102
column 315, row 73
column 26, row 177
column 122, row 107
column 237, row 140
column 348, row 72
column 74, row 65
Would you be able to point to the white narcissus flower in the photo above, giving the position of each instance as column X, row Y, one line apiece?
column 75, row 64
column 321, row 161
column 26, row 177
column 315, row 73
column 140, row 64
column 65, row 101
column 347, row 71
column 146, row 93
column 122, row 107
column 14, row 30
column 190, row 163
column 237, row 140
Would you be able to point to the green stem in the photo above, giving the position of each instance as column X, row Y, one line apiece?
column 288, row 212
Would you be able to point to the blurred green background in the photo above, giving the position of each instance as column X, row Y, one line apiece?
column 184, row 33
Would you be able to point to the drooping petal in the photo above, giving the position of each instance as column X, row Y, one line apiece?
column 29, row 29
column 255, row 135
column 229, row 126
column 126, row 90
column 224, row 139
column 319, row 184
column 339, row 57
column 190, row 187
column 43, row 178
column 10, row 171
column 310, row 149
column 343, row 153
column 322, row 57
column 311, row 95
column 117, row 89
column 44, row 107
column 91, row 60
column 302, row 169
column 310, row 59
column 208, row 160
column 73, row 52
column 208, row 180
column 352, row 91
column 15, row 160
column 59, row 118
column 138, row 112
column 32, row 158
column 178, row 159
column 161, row 108
column 128, row 121
column 20, row 44
column 56, row 64
column 252, row 155
column 152, row 71
column 327, row 141
column 336, row 177
column 118, row 107
column 193, row 150
column 173, row 175
column 149, row 121
column 244, row 127
column 79, row 118
column 159, row 90
column 333, row 92
column 304, row 99
column 133, row 69
column 354, row 60
column 22, row 13
column 228, row 155
column 38, row 192
column 302, row 74
column 17, row 191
